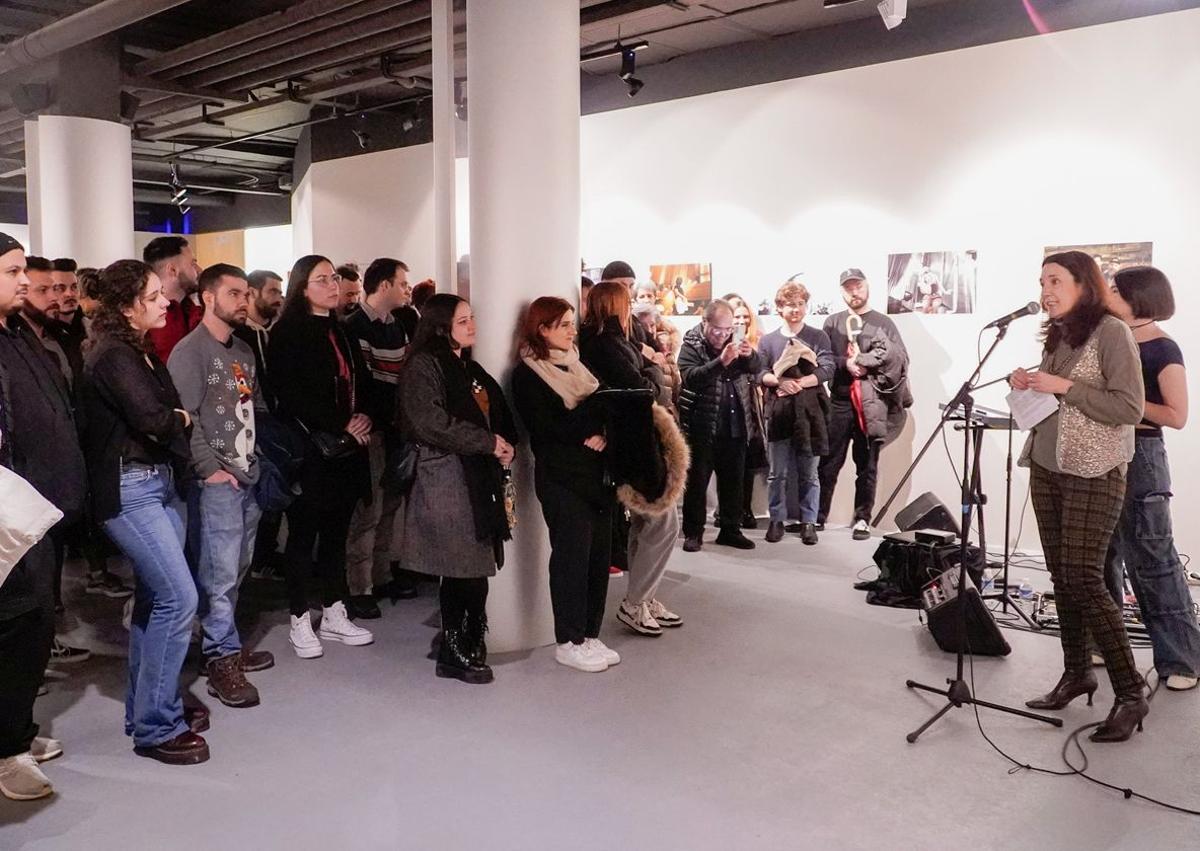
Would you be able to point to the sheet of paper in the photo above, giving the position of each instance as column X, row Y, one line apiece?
column 1030, row 407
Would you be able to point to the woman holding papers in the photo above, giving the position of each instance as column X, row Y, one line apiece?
column 1079, row 456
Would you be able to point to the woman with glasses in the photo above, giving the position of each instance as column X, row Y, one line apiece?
column 135, row 440
column 320, row 380
column 455, row 519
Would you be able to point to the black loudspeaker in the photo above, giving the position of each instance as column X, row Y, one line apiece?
column 942, row 604
column 908, row 565
column 926, row 512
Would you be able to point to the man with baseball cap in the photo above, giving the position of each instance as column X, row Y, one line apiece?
column 869, row 396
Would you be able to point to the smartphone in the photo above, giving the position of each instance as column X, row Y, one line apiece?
column 739, row 334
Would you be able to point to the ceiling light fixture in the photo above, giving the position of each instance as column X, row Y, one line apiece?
column 628, row 66
column 893, row 12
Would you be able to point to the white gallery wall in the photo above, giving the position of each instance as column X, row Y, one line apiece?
column 1087, row 136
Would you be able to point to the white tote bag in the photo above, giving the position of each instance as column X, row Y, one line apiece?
column 25, row 517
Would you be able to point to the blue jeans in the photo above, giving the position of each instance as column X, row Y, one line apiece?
column 222, row 531
column 1143, row 540
column 788, row 467
column 150, row 532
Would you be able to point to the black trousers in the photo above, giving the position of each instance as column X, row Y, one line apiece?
column 322, row 519
column 460, row 597
column 267, row 539
column 725, row 456
column 845, row 433
column 619, row 552
column 580, row 538
column 25, row 641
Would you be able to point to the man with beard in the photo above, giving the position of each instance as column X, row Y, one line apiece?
column 869, row 397
column 38, row 443
column 42, row 310
column 173, row 261
column 64, row 272
column 216, row 377
column 266, row 300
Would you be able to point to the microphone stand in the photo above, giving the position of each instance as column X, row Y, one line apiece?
column 958, row 693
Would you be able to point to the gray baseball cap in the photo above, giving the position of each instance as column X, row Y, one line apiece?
column 851, row 274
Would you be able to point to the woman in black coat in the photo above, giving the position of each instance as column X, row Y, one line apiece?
column 455, row 518
column 553, row 391
column 320, row 381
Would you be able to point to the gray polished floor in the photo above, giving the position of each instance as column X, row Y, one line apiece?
column 774, row 718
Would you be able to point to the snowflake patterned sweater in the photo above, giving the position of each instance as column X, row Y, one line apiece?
column 217, row 383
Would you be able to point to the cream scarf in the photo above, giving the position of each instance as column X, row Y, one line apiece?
column 573, row 382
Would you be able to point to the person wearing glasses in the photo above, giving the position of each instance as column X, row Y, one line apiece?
column 1143, row 543
column 320, row 383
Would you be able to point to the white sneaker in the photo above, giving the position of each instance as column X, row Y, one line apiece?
column 45, row 749
column 599, row 648
column 637, row 617
column 1181, row 682
column 303, row 641
column 663, row 615
column 581, row 657
column 860, row 531
column 337, row 626
column 22, row 780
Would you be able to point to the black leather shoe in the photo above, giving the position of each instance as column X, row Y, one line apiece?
column 693, row 545
column 455, row 662
column 749, row 521
column 185, row 749
column 1070, row 686
column 808, row 533
column 196, row 717
column 793, row 528
column 734, row 538
column 820, row 527
column 362, row 607
column 1126, row 715
column 774, row 532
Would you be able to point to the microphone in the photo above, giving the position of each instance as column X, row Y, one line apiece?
column 1028, row 310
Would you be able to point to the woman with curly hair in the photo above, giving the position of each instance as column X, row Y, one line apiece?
column 135, row 441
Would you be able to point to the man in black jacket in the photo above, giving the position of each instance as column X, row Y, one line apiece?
column 38, row 442
column 716, row 413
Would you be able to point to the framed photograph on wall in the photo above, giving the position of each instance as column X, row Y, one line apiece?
column 1111, row 257
column 932, row 282
column 684, row 289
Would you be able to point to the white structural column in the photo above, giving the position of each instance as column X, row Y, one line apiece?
column 523, row 144
column 444, row 147
column 79, row 188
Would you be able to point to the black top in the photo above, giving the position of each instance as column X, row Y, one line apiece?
column 132, row 414
column 304, row 370
column 874, row 324
column 557, row 435
column 1156, row 356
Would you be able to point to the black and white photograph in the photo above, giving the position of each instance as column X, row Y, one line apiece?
column 932, row 282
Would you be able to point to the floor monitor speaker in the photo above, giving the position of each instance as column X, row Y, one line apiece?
column 942, row 601
column 926, row 512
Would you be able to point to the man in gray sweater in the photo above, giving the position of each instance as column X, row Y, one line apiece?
column 216, row 377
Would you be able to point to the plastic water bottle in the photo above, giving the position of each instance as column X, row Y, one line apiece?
column 1025, row 590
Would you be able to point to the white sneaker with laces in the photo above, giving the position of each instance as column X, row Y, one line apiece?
column 1181, row 682
column 599, row 648
column 303, row 641
column 581, row 657
column 663, row 615
column 337, row 626
column 22, row 780
column 45, row 749
column 637, row 617
column 860, row 531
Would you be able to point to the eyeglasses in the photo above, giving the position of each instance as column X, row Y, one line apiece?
column 326, row 280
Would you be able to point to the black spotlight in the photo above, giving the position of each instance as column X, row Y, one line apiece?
column 635, row 85
column 628, row 66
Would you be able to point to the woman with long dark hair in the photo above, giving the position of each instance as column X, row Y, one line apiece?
column 320, row 382
column 455, row 519
column 553, row 392
column 649, row 457
column 1079, row 456
column 1143, row 542
column 136, row 443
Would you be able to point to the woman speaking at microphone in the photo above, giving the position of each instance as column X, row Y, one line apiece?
column 1078, row 457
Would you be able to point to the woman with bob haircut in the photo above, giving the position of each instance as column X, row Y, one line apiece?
column 553, row 393
column 320, row 382
column 455, row 520
column 1143, row 542
column 648, row 455
column 1079, row 456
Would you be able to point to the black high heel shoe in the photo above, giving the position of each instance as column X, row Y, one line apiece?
column 1126, row 714
column 1072, row 684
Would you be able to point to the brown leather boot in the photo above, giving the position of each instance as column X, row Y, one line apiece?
column 1126, row 714
column 227, row 682
column 185, row 749
column 1072, row 684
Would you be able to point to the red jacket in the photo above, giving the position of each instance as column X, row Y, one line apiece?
column 182, row 317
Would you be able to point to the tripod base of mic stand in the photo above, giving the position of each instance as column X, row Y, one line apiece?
column 959, row 695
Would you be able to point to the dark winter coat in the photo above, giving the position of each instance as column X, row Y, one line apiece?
column 454, row 521
column 704, row 387
column 885, row 392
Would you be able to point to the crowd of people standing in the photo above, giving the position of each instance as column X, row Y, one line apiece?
column 182, row 414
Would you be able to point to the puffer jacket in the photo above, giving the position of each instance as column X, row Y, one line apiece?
column 704, row 380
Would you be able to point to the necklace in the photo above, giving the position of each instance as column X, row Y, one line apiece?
column 1141, row 325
